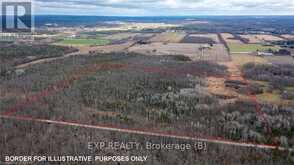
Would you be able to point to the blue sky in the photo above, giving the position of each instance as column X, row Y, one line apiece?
column 164, row 7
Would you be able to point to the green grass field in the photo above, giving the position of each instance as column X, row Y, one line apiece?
column 81, row 41
column 235, row 47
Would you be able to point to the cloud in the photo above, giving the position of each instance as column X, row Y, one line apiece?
column 165, row 7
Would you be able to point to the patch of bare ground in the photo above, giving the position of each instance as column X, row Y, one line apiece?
column 261, row 38
column 217, row 85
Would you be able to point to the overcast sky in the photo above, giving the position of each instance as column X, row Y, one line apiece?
column 165, row 7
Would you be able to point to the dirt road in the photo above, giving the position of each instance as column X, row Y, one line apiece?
column 45, row 60
column 83, row 50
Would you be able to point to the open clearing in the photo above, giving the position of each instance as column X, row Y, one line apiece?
column 215, row 53
column 248, row 48
column 170, row 37
column 242, row 59
column 272, row 97
column 261, row 38
column 229, row 38
column 81, row 41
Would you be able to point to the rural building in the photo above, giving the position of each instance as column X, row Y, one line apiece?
column 264, row 54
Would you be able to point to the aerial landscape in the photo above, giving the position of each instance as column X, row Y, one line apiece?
column 211, row 90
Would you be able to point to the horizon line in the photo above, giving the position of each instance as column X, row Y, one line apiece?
column 223, row 15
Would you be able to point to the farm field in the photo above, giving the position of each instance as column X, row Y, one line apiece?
column 249, row 48
column 281, row 60
column 201, row 39
column 229, row 38
column 242, row 59
column 120, row 36
column 214, row 37
column 215, row 53
column 261, row 38
column 122, row 47
column 82, row 41
column 170, row 37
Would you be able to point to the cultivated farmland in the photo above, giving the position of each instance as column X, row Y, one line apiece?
column 168, row 37
column 261, row 38
column 120, row 36
column 201, row 38
column 281, row 60
column 84, row 41
column 215, row 53
column 229, row 38
column 249, row 48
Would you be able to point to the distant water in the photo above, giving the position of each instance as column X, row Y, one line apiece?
column 95, row 20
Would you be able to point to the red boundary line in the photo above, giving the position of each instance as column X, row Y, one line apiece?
column 88, row 71
column 93, row 68
column 209, row 139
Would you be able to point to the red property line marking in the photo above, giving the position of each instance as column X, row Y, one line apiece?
column 147, row 133
column 92, row 70
column 59, row 86
column 259, row 112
